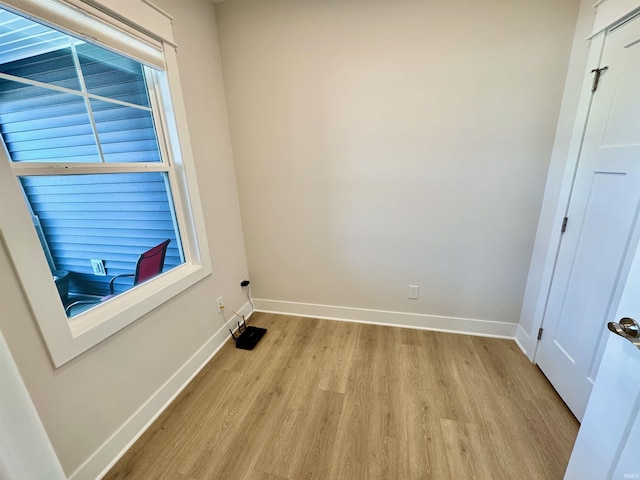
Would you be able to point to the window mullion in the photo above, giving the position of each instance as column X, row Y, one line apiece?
column 157, row 111
column 175, row 183
column 87, row 101
column 118, row 102
column 36, row 83
column 43, row 168
column 70, row 91
column 174, row 216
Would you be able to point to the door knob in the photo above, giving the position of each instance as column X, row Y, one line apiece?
column 630, row 326
column 627, row 328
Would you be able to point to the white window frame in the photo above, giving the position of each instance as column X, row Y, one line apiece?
column 68, row 338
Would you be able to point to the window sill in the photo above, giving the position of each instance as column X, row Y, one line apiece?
column 97, row 324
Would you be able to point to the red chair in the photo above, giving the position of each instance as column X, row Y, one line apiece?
column 149, row 264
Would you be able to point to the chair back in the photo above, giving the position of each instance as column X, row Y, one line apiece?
column 150, row 263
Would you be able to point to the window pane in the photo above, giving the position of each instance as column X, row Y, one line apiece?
column 21, row 38
column 126, row 134
column 111, row 75
column 43, row 125
column 55, row 68
column 112, row 218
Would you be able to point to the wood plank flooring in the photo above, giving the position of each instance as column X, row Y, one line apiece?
column 320, row 399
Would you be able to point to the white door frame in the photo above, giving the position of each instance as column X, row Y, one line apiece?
column 586, row 52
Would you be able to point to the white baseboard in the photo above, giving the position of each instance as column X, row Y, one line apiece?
column 526, row 343
column 469, row 326
column 98, row 464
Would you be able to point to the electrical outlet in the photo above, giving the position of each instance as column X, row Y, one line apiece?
column 98, row 267
column 414, row 292
column 220, row 304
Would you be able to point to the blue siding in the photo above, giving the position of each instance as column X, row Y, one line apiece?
column 56, row 68
column 126, row 134
column 43, row 125
column 110, row 217
column 21, row 38
column 111, row 75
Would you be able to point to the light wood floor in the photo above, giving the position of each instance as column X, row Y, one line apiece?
column 320, row 399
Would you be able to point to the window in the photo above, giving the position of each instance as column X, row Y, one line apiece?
column 65, row 101
column 89, row 136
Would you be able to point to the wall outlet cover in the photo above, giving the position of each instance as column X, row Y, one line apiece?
column 414, row 292
column 98, row 268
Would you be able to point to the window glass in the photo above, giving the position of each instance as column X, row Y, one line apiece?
column 109, row 218
column 44, row 125
column 54, row 68
column 103, row 113
column 126, row 134
column 20, row 38
column 110, row 75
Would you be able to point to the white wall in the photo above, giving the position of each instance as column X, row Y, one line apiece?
column 381, row 144
column 99, row 393
column 25, row 449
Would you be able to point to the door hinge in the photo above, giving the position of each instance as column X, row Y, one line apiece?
column 564, row 224
column 596, row 78
column 540, row 333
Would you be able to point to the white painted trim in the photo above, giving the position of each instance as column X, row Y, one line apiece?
column 611, row 12
column 99, row 463
column 141, row 16
column 161, row 11
column 468, row 326
column 526, row 342
column 79, row 18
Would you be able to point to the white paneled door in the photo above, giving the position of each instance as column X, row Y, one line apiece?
column 607, row 443
column 608, row 440
column 601, row 227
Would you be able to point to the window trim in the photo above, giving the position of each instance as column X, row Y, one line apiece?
column 68, row 338
column 102, row 24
